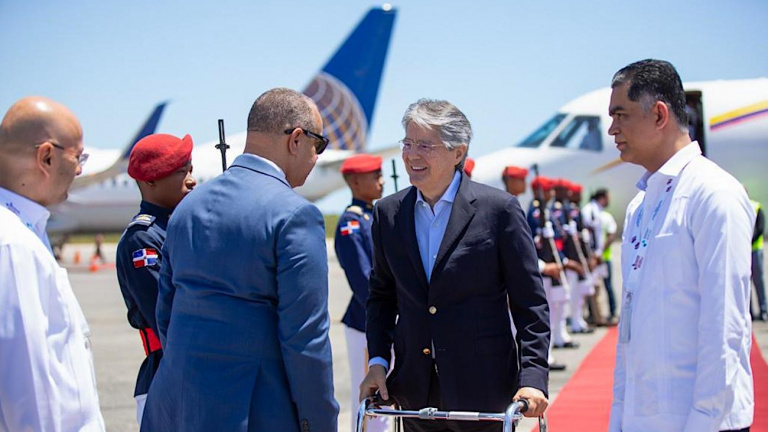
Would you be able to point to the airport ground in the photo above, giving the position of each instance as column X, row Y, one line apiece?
column 118, row 352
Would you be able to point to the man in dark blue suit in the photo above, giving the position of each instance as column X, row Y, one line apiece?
column 452, row 260
column 242, row 308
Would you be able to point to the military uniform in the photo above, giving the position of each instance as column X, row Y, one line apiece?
column 354, row 249
column 139, row 255
column 558, row 292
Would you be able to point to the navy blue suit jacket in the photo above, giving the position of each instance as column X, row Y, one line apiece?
column 242, row 310
column 486, row 268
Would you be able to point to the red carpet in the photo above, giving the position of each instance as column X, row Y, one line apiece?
column 584, row 403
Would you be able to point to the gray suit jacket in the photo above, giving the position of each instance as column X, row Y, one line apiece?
column 243, row 310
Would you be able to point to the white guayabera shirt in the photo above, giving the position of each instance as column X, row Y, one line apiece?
column 682, row 362
column 47, row 380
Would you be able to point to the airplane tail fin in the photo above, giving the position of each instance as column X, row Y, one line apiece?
column 148, row 128
column 345, row 90
column 121, row 164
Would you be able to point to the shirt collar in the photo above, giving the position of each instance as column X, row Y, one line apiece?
column 155, row 210
column 366, row 206
column 449, row 195
column 31, row 213
column 256, row 162
column 673, row 166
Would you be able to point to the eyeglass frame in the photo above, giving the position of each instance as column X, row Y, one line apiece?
column 81, row 160
column 319, row 149
column 418, row 148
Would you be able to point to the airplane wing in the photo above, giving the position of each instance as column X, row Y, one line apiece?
column 121, row 164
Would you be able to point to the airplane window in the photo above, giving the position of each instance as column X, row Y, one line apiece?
column 583, row 133
column 540, row 134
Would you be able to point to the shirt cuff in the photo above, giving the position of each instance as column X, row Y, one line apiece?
column 378, row 361
column 542, row 264
column 699, row 422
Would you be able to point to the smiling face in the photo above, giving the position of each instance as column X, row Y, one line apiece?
column 429, row 164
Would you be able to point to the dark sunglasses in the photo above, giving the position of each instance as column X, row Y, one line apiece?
column 322, row 142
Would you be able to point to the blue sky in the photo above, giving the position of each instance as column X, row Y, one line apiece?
column 507, row 64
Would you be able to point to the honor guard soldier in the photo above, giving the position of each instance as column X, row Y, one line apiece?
column 354, row 249
column 552, row 273
column 514, row 179
column 162, row 167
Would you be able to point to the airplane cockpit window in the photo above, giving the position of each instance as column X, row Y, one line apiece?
column 539, row 135
column 582, row 133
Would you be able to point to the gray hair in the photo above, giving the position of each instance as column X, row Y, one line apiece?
column 452, row 125
column 279, row 109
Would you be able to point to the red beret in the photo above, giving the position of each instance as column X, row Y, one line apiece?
column 541, row 182
column 515, row 172
column 157, row 156
column 561, row 183
column 361, row 164
column 469, row 166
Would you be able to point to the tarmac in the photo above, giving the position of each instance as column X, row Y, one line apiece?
column 118, row 352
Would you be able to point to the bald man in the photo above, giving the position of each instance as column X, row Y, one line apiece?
column 48, row 380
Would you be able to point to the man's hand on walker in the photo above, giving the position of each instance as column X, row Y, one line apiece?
column 537, row 403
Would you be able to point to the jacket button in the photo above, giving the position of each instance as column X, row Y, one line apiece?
column 426, row 351
column 432, row 310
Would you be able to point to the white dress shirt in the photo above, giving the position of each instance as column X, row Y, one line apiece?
column 682, row 362
column 47, row 380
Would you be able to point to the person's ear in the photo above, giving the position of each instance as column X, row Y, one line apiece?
column 44, row 157
column 460, row 152
column 293, row 141
column 661, row 114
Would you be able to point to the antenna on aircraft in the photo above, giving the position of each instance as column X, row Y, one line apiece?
column 394, row 174
column 222, row 146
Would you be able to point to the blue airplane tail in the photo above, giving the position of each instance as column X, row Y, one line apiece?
column 345, row 90
column 148, row 128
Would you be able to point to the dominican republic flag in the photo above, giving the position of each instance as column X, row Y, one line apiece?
column 350, row 228
column 144, row 257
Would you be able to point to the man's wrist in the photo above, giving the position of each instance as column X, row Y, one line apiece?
column 378, row 361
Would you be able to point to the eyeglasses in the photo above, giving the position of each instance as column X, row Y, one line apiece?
column 82, row 159
column 421, row 147
column 322, row 142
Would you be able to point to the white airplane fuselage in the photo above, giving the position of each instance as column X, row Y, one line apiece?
column 734, row 124
column 108, row 206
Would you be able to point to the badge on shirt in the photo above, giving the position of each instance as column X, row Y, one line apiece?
column 145, row 257
column 11, row 207
column 350, row 228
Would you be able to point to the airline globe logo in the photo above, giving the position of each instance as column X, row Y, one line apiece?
column 344, row 122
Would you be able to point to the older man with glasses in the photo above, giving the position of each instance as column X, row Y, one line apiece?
column 452, row 259
column 48, row 381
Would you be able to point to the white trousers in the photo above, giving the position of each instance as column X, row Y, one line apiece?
column 577, row 302
column 141, row 400
column 557, row 298
column 357, row 354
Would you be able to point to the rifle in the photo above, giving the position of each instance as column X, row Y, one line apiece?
column 394, row 174
column 222, row 146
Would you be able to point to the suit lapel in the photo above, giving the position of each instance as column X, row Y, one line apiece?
column 407, row 226
column 462, row 211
